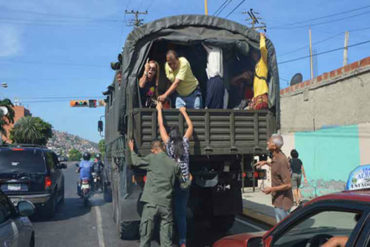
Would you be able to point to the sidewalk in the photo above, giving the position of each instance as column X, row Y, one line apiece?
column 258, row 206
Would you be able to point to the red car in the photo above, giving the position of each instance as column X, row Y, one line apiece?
column 344, row 215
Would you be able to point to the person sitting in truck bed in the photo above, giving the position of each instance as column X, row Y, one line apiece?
column 179, row 72
column 260, row 87
column 148, row 84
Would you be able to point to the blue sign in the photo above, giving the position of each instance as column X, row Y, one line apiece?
column 359, row 178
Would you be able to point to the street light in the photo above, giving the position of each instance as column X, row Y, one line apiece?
column 4, row 84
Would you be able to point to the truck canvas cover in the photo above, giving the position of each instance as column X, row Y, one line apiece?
column 188, row 29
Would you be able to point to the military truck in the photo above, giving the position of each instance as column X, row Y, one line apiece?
column 224, row 141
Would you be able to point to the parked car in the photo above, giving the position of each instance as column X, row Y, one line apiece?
column 32, row 173
column 345, row 215
column 15, row 227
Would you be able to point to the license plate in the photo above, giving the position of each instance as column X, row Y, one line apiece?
column 14, row 187
column 85, row 186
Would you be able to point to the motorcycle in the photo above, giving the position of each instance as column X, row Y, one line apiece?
column 85, row 191
column 96, row 181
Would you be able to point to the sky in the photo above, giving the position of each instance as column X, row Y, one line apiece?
column 55, row 51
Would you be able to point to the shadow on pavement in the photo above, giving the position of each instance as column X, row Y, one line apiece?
column 71, row 208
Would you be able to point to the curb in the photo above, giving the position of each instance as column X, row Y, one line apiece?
column 250, row 213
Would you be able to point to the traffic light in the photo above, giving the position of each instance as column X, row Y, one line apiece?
column 79, row 103
column 92, row 103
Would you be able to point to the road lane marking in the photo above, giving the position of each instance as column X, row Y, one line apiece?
column 249, row 224
column 99, row 227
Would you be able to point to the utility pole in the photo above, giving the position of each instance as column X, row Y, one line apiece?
column 255, row 19
column 205, row 7
column 311, row 62
column 136, row 22
column 345, row 52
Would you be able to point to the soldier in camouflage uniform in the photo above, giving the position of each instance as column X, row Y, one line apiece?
column 162, row 171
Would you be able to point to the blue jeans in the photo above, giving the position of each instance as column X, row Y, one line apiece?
column 181, row 202
column 192, row 101
column 280, row 214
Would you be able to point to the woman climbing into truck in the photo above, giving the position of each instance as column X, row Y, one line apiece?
column 177, row 147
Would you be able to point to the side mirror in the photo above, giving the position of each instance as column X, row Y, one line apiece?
column 25, row 208
column 100, row 126
column 62, row 166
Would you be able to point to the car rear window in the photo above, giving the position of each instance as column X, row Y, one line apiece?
column 18, row 160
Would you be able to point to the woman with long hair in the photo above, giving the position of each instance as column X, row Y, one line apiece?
column 148, row 84
column 177, row 147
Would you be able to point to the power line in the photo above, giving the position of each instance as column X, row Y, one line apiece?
column 54, row 63
column 232, row 11
column 323, row 17
column 324, row 52
column 222, row 7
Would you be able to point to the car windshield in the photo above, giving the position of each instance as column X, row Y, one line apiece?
column 325, row 223
column 21, row 161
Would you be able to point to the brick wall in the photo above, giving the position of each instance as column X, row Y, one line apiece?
column 339, row 97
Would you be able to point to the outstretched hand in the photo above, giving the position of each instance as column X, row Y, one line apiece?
column 159, row 106
column 131, row 145
column 182, row 109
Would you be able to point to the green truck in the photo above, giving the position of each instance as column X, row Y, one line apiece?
column 225, row 141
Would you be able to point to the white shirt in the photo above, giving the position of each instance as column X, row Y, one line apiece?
column 214, row 62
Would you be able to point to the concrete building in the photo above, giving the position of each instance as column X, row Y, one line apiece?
column 327, row 120
column 19, row 112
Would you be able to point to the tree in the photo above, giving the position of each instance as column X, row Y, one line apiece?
column 74, row 155
column 101, row 145
column 31, row 130
column 8, row 118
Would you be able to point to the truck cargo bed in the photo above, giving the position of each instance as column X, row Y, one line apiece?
column 216, row 131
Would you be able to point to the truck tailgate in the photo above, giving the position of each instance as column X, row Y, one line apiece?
column 216, row 131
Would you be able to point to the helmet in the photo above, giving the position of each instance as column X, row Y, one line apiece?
column 86, row 156
column 98, row 156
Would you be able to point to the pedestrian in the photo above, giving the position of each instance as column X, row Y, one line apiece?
column 179, row 73
column 162, row 171
column 281, row 188
column 177, row 147
column 297, row 168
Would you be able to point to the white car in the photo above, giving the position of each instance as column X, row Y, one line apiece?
column 16, row 229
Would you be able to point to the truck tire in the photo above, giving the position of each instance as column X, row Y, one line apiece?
column 222, row 223
column 129, row 230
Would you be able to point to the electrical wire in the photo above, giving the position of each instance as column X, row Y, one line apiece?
column 324, row 52
column 322, row 17
column 325, row 22
column 56, row 63
column 232, row 11
column 222, row 7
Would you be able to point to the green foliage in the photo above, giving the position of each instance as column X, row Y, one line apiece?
column 74, row 155
column 8, row 118
column 101, row 145
column 31, row 130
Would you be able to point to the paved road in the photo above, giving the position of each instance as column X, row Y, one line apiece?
column 75, row 225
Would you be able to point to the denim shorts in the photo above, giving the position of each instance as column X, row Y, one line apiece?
column 192, row 101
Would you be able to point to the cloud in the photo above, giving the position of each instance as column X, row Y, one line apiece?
column 10, row 44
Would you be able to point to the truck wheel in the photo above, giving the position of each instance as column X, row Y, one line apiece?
column 129, row 230
column 222, row 223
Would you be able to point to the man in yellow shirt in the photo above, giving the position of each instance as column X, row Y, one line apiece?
column 260, row 87
column 178, row 71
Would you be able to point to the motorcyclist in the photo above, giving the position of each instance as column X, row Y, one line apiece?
column 99, row 165
column 85, row 168
column 98, row 168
